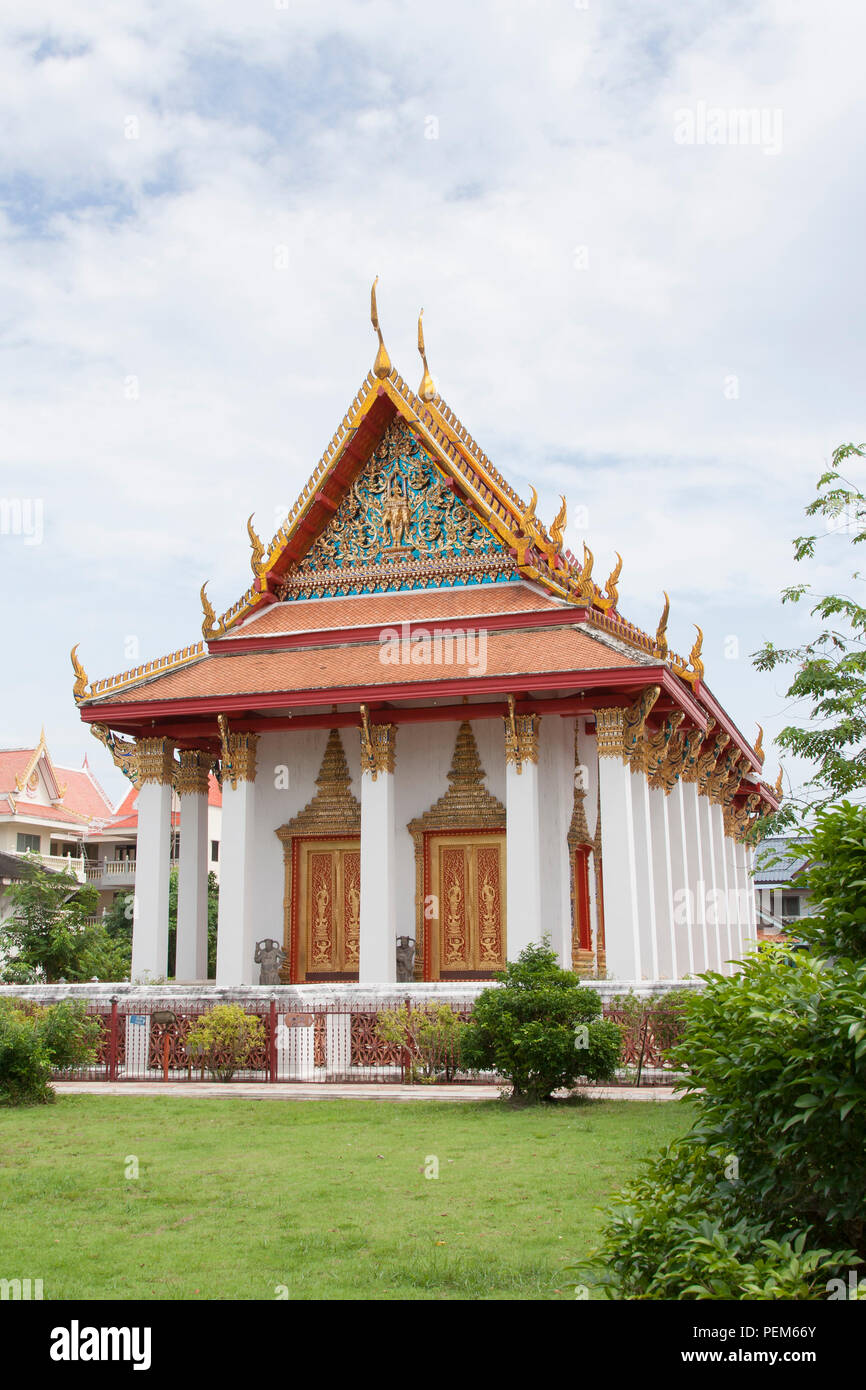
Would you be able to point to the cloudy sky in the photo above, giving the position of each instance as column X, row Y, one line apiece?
column 632, row 295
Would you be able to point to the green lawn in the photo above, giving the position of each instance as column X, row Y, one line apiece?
column 329, row 1198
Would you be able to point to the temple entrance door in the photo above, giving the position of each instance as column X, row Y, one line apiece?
column 467, row 880
column 328, row 907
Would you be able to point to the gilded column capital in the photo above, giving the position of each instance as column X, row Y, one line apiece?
column 521, row 737
column 707, row 762
column 193, row 772
column 378, row 746
column 620, row 731
column 658, row 748
column 154, row 761
column 691, row 769
column 238, row 754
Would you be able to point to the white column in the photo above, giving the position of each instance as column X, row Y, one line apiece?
column 645, row 877
column 746, row 863
column 697, row 882
column 237, row 921
column 522, row 835
column 378, row 918
column 669, row 967
column 736, row 895
column 723, row 896
column 155, row 768
column 192, row 788
column 621, row 908
column 684, row 896
column 713, row 913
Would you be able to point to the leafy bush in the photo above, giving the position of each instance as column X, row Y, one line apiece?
column 776, row 1057
column 679, row 1233
column 541, row 1030
column 836, row 882
column 34, row 1039
column 431, row 1037
column 49, row 936
column 224, row 1039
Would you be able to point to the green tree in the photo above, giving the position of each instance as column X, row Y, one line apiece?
column 830, row 679
column 540, row 1030
column 118, row 921
column 48, row 935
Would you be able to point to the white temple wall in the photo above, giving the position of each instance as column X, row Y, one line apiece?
column 556, row 782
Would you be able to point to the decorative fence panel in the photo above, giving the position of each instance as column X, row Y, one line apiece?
column 324, row 1042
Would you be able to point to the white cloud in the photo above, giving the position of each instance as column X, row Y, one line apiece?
column 304, row 129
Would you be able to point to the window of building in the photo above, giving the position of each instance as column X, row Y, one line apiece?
column 29, row 842
column 790, row 907
column 214, row 851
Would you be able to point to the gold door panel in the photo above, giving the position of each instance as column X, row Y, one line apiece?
column 328, row 907
column 467, row 881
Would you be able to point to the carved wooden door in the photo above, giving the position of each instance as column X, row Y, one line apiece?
column 329, row 902
column 467, row 883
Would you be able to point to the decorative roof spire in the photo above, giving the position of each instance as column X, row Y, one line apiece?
column 695, row 654
column 759, row 746
column 426, row 390
column 210, row 627
column 79, row 689
column 382, row 365
column 258, row 549
column 661, row 630
column 611, row 588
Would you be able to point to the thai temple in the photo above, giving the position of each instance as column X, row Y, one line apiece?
column 438, row 739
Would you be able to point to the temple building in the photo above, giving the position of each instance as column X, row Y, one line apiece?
column 438, row 739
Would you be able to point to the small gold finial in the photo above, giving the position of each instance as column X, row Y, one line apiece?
column 79, row 689
column 382, row 365
column 426, row 390
column 559, row 524
column 586, row 572
column 257, row 557
column 528, row 516
column 611, row 590
column 695, row 654
column 661, row 639
column 759, row 746
column 210, row 627
column 778, row 786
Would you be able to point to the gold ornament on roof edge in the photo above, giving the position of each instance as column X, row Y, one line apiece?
column 777, row 788
column 426, row 390
column 559, row 524
column 661, row 646
column 210, row 627
column 382, row 364
column 79, row 689
column 610, row 589
column 695, row 654
column 258, row 550
column 759, row 746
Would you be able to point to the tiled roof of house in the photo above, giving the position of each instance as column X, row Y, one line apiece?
column 778, row 859
column 523, row 653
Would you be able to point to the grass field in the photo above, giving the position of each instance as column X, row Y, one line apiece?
column 328, row 1198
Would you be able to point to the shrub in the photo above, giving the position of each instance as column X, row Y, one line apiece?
column 430, row 1036
column 224, row 1038
column 36, row 1038
column 678, row 1233
column 836, row 882
column 541, row 1030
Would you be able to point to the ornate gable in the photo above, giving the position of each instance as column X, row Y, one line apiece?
column 399, row 526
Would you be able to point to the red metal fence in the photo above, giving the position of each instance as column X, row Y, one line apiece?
column 149, row 1041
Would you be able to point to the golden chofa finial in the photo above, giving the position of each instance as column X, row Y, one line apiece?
column 759, row 746
column 661, row 646
column 382, row 365
column 611, row 589
column 559, row 524
column 210, row 627
column 79, row 689
column 426, row 390
column 695, row 654
column 778, row 786
column 258, row 550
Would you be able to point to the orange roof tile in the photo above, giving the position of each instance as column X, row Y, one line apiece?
column 526, row 652
column 371, row 610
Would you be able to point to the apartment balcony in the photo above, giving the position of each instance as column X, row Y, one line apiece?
column 112, row 873
column 67, row 863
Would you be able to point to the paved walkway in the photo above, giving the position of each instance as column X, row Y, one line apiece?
column 287, row 1090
